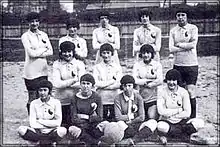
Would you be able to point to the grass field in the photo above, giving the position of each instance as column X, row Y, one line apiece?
column 15, row 98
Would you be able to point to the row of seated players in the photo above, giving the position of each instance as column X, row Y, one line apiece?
column 86, row 122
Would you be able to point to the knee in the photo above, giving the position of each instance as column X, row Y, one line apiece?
column 197, row 123
column 152, row 124
column 191, row 89
column 74, row 131
column 61, row 131
column 163, row 126
column 22, row 130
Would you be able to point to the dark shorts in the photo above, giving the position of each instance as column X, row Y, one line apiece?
column 180, row 129
column 147, row 105
column 189, row 73
column 32, row 84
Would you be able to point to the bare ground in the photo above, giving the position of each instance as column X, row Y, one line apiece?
column 15, row 98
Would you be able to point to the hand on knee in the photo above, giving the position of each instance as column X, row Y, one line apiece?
column 22, row 130
column 75, row 131
column 163, row 126
column 61, row 131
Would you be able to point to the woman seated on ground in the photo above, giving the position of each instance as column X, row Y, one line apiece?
column 66, row 74
column 148, row 76
column 86, row 113
column 107, row 75
column 45, row 117
column 174, row 107
column 129, row 108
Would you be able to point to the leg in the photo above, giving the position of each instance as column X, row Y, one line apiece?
column 66, row 120
column 191, row 79
column 146, row 130
column 191, row 89
column 152, row 112
column 28, row 133
column 57, row 134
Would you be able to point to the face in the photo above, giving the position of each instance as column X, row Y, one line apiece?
column 181, row 18
column 128, row 89
column 67, row 55
column 34, row 24
column 86, row 86
column 145, row 19
column 43, row 92
column 147, row 56
column 104, row 21
column 172, row 84
column 72, row 30
column 106, row 55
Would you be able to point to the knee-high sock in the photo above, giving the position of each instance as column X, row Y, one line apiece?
column 30, row 135
column 193, row 108
column 143, row 133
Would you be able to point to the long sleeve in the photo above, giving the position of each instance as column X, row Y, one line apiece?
column 56, row 121
column 33, row 118
column 158, row 41
column 32, row 52
column 84, row 50
column 141, row 115
column 136, row 43
column 95, row 44
column 39, row 50
column 58, row 82
column 100, row 83
column 159, row 78
column 99, row 110
column 172, row 47
column 162, row 110
column 186, row 107
column 116, row 44
column 192, row 42
column 118, row 111
column 73, row 107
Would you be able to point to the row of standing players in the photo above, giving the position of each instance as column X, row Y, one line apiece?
column 107, row 71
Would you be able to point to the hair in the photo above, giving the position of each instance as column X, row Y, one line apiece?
column 174, row 74
column 103, row 13
column 73, row 23
column 106, row 47
column 144, row 12
column 32, row 15
column 67, row 46
column 127, row 79
column 45, row 83
column 147, row 48
column 87, row 77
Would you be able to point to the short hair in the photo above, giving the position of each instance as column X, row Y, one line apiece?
column 87, row 77
column 146, row 12
column 103, row 13
column 127, row 79
column 174, row 74
column 32, row 15
column 183, row 8
column 147, row 48
column 106, row 47
column 73, row 23
column 45, row 83
column 67, row 46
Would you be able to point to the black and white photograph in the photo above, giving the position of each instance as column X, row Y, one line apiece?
column 96, row 73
